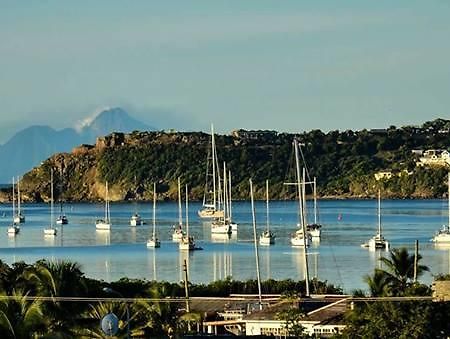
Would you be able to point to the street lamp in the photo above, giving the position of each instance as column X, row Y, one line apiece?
column 111, row 291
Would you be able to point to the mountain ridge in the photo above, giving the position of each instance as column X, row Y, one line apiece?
column 33, row 144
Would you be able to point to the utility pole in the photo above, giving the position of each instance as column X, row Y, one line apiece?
column 416, row 257
column 186, row 286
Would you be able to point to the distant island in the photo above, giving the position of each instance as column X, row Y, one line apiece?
column 406, row 162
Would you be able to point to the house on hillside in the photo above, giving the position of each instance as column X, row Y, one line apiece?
column 434, row 157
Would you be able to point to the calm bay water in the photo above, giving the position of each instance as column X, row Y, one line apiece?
column 337, row 258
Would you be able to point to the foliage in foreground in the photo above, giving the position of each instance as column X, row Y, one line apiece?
column 397, row 319
column 24, row 318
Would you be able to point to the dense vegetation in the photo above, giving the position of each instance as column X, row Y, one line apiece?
column 21, row 317
column 343, row 162
column 397, row 319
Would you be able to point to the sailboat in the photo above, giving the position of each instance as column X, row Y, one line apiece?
column 62, row 218
column 314, row 229
column 14, row 228
column 222, row 225
column 19, row 218
column 443, row 235
column 105, row 224
column 377, row 241
column 300, row 237
column 154, row 241
column 135, row 219
column 267, row 237
column 211, row 199
column 187, row 242
column 51, row 230
column 177, row 230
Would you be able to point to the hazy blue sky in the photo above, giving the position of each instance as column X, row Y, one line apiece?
column 284, row 65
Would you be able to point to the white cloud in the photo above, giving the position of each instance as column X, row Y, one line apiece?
column 79, row 125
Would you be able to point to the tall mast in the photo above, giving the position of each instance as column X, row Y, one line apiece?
column 180, row 218
column 300, row 189
column 13, row 199
column 449, row 199
column 299, row 186
column 213, row 151
column 225, row 195
column 229, row 193
column 267, row 205
column 106, row 203
column 256, row 245
column 51, row 198
column 305, row 248
column 379, row 212
column 315, row 201
column 18, row 195
column 187, row 213
column 154, row 211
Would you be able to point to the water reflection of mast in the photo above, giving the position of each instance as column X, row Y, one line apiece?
column 154, row 266
column 222, row 263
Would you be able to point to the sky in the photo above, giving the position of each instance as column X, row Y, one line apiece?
column 284, row 65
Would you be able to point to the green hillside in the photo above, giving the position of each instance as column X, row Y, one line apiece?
column 343, row 162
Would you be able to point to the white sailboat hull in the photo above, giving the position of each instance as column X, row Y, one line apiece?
column 50, row 231
column 19, row 219
column 297, row 239
column 153, row 243
column 266, row 239
column 442, row 236
column 314, row 230
column 13, row 230
column 210, row 213
column 135, row 220
column 220, row 228
column 186, row 244
column 102, row 225
column 62, row 220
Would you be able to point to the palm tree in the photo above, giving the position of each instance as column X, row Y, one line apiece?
column 378, row 283
column 156, row 318
column 59, row 279
column 20, row 317
column 400, row 269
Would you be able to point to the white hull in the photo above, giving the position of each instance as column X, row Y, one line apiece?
column 19, row 219
column 186, row 244
column 106, row 226
column 267, row 239
column 234, row 227
column 135, row 220
column 62, row 220
column 50, row 231
column 314, row 230
column 297, row 239
column 442, row 236
column 210, row 214
column 220, row 228
column 177, row 233
column 153, row 243
column 13, row 230
column 377, row 242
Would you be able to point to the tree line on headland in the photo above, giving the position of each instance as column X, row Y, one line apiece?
column 345, row 164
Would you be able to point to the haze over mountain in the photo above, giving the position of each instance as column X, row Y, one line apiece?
column 28, row 147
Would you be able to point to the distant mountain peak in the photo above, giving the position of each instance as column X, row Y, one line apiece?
column 86, row 122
